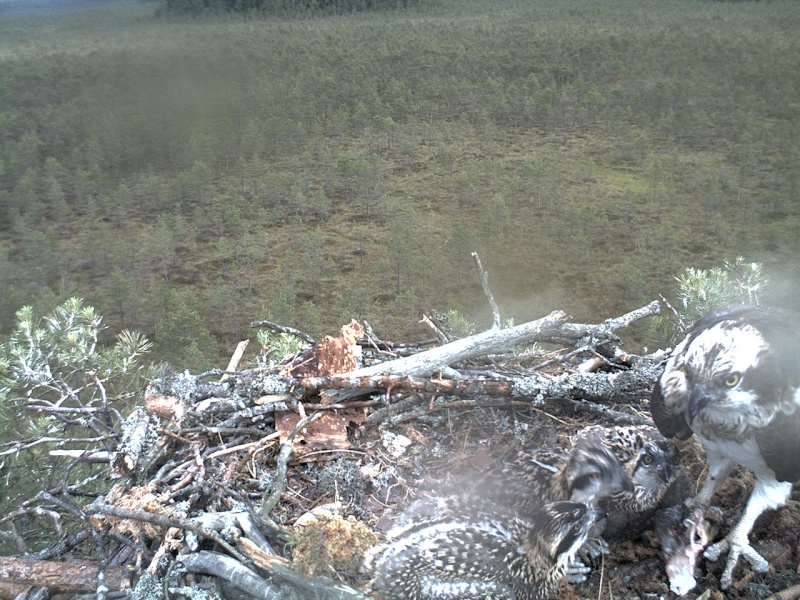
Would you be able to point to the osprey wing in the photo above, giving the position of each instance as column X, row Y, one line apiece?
column 779, row 444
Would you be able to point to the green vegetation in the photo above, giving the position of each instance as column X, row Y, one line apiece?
column 701, row 291
column 60, row 389
column 189, row 176
column 278, row 7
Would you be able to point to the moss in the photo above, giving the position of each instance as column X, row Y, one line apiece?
column 333, row 546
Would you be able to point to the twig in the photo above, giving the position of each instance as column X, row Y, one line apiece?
column 282, row 463
column 282, row 329
column 790, row 593
column 387, row 412
column 602, row 574
column 487, row 292
column 235, row 358
column 443, row 337
column 375, row 342
column 232, row 449
column 618, row 417
column 18, row 446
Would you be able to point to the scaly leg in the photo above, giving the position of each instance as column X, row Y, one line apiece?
column 718, row 469
column 765, row 495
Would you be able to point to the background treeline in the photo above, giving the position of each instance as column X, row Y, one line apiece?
column 278, row 7
column 187, row 176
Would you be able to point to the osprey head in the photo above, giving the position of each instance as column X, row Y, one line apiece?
column 724, row 379
column 562, row 527
column 655, row 464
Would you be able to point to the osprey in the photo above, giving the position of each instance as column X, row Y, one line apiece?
column 734, row 382
column 533, row 476
column 653, row 465
column 464, row 548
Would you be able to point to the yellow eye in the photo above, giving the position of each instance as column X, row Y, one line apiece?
column 576, row 528
column 732, row 379
column 647, row 459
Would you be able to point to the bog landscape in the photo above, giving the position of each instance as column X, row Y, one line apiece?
column 187, row 176
column 171, row 174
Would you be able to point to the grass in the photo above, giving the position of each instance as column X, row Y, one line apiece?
column 314, row 169
column 630, row 183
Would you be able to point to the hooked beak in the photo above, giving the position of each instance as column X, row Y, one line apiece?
column 700, row 398
column 665, row 472
column 598, row 514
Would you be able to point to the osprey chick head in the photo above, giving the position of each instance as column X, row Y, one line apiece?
column 655, row 464
column 562, row 528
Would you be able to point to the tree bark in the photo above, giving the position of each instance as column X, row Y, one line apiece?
column 72, row 576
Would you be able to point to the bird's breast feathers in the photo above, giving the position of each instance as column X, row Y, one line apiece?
column 743, row 452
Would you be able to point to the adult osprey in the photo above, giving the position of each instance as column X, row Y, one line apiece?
column 734, row 381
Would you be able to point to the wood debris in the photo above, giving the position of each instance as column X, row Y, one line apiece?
column 210, row 491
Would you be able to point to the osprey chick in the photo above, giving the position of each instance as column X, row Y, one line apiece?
column 733, row 382
column 533, row 476
column 653, row 465
column 471, row 549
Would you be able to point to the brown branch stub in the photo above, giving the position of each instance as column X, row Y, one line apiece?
column 324, row 434
column 282, row 463
column 330, row 355
column 165, row 406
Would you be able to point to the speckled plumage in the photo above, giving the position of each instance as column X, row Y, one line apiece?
column 653, row 464
column 534, row 476
column 463, row 548
column 734, row 382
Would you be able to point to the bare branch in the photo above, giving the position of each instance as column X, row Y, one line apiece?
column 235, row 358
column 224, row 567
column 99, row 507
column 71, row 576
column 282, row 329
column 487, row 291
column 282, row 463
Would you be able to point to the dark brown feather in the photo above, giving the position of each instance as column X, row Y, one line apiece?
column 670, row 425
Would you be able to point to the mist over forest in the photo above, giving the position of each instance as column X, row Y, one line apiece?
column 187, row 175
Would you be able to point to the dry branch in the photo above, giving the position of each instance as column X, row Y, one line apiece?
column 282, row 329
column 497, row 341
column 594, row 386
column 229, row 569
column 63, row 576
column 200, row 487
column 411, row 373
column 484, row 276
column 790, row 593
